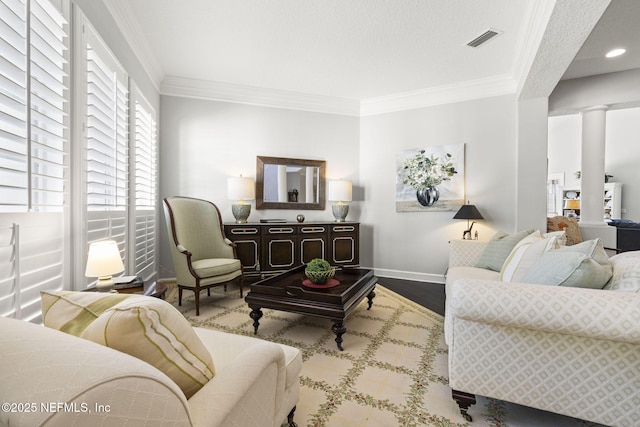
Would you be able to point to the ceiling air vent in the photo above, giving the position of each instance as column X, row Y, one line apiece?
column 484, row 37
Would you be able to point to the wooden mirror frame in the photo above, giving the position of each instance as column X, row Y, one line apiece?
column 261, row 204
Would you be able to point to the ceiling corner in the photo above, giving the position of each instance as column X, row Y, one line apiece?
column 123, row 15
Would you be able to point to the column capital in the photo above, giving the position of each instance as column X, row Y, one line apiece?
column 595, row 108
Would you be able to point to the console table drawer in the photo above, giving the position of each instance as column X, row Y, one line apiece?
column 271, row 248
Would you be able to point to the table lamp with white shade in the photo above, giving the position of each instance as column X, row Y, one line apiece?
column 241, row 189
column 340, row 191
column 103, row 262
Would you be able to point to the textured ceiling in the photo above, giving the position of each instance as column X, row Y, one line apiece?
column 364, row 49
column 618, row 27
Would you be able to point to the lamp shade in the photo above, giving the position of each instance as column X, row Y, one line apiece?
column 239, row 188
column 468, row 212
column 104, row 259
column 340, row 191
column 572, row 204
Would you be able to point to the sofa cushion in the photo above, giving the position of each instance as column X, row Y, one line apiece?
column 626, row 272
column 525, row 253
column 584, row 265
column 499, row 248
column 215, row 266
column 153, row 330
column 72, row 312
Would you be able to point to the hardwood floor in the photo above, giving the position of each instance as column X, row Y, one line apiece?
column 428, row 295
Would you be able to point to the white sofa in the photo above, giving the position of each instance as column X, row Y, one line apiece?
column 567, row 350
column 51, row 378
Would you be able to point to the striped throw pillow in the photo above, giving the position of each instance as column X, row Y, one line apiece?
column 525, row 254
column 153, row 330
column 72, row 312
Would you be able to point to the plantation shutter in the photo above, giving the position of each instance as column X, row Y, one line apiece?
column 107, row 134
column 48, row 116
column 14, row 179
column 145, row 189
column 34, row 102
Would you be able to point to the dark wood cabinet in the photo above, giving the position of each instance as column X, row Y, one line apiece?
column 344, row 244
column 267, row 248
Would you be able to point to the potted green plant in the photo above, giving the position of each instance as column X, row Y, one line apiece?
column 319, row 271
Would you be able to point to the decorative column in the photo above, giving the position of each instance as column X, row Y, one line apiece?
column 594, row 120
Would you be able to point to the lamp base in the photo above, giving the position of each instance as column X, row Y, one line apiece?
column 241, row 212
column 104, row 284
column 340, row 211
column 466, row 235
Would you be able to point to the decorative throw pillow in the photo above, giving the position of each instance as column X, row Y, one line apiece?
column 561, row 237
column 626, row 272
column 525, row 253
column 585, row 265
column 72, row 312
column 568, row 225
column 152, row 330
column 499, row 248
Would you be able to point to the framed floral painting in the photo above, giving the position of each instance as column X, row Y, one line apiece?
column 430, row 179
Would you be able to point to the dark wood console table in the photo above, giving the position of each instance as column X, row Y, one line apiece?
column 271, row 248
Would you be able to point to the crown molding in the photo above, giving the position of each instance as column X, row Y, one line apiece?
column 446, row 94
column 123, row 14
column 536, row 21
column 202, row 89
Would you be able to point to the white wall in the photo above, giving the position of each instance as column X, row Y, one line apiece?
column 204, row 142
column 621, row 154
column 565, row 135
column 414, row 245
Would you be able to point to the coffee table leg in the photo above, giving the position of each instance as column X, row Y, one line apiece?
column 370, row 297
column 338, row 329
column 255, row 314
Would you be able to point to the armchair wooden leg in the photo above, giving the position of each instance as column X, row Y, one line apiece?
column 290, row 418
column 179, row 296
column 197, row 292
column 241, row 285
column 464, row 400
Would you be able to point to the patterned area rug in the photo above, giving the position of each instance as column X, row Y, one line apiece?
column 392, row 372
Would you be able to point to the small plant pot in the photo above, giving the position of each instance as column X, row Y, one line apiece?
column 320, row 277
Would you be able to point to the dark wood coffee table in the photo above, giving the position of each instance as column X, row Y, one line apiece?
column 286, row 292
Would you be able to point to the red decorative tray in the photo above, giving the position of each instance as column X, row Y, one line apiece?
column 330, row 284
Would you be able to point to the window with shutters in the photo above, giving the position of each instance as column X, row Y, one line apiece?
column 105, row 139
column 34, row 152
column 144, row 184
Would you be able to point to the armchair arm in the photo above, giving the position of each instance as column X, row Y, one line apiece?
column 183, row 250
column 590, row 313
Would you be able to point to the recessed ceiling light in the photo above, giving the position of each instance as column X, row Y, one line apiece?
column 615, row 52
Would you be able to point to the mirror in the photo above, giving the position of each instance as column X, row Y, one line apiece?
column 283, row 183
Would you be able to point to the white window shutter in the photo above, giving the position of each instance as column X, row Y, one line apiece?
column 34, row 102
column 14, row 161
column 49, row 121
column 144, row 183
column 106, row 148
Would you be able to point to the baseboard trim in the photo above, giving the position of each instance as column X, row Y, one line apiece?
column 409, row 275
